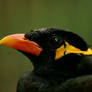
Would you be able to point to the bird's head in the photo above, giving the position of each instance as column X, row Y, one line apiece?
column 50, row 47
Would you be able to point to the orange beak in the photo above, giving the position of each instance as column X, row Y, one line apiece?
column 19, row 42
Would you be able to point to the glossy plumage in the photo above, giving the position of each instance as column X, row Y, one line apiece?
column 71, row 73
column 62, row 62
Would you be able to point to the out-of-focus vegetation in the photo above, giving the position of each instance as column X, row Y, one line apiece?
column 19, row 16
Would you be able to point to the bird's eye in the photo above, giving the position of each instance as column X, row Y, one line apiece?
column 54, row 38
column 54, row 41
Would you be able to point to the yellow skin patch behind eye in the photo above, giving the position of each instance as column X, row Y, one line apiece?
column 68, row 49
column 59, row 52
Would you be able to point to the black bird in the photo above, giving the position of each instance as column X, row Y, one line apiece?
column 62, row 61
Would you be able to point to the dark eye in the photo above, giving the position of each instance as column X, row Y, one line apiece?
column 54, row 39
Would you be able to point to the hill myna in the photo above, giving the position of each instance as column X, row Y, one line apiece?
column 62, row 60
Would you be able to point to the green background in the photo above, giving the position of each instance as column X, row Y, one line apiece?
column 19, row 16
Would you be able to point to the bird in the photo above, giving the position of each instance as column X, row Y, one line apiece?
column 62, row 60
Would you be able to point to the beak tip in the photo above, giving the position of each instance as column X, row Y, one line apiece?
column 1, row 42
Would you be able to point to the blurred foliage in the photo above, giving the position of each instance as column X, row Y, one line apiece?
column 19, row 16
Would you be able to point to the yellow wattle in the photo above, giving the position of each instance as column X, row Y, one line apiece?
column 68, row 49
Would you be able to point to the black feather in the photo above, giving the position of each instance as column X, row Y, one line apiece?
column 71, row 73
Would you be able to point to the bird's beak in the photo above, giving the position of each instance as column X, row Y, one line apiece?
column 19, row 42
